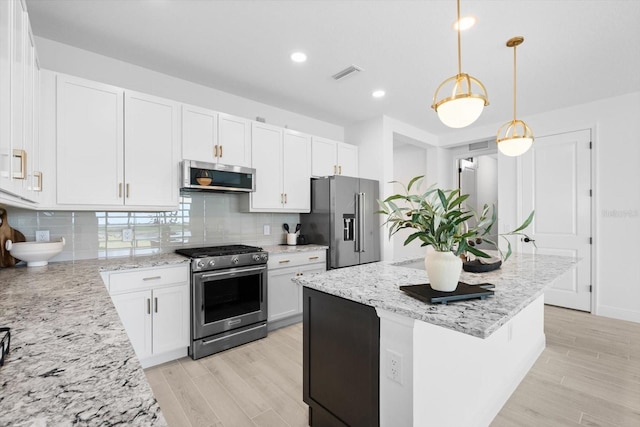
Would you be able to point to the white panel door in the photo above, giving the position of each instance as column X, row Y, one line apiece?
column 89, row 145
column 234, row 137
column 266, row 146
column 296, row 177
column 151, row 165
column 134, row 309
column 6, row 39
column 556, row 182
column 347, row 159
column 199, row 134
column 323, row 157
column 170, row 318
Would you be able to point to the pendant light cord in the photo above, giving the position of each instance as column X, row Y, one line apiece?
column 514, row 83
column 459, row 55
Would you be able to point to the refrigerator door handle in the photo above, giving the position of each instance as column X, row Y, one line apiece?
column 357, row 223
column 361, row 221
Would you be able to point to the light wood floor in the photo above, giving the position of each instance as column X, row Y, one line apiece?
column 589, row 375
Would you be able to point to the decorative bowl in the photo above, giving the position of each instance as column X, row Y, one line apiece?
column 35, row 254
column 204, row 180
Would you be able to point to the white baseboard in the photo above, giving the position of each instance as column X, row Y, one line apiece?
column 158, row 359
column 618, row 313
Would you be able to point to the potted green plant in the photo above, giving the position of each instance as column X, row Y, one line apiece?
column 440, row 219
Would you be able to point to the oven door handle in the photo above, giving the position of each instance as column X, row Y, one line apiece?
column 232, row 272
column 205, row 342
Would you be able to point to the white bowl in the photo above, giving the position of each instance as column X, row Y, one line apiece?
column 35, row 254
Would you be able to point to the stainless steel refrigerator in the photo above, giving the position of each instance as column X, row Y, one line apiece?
column 343, row 217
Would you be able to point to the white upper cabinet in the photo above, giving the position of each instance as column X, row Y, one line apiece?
column 296, row 173
column 19, row 75
column 234, row 140
column 266, row 145
column 115, row 148
column 208, row 136
column 333, row 158
column 6, row 154
column 199, row 134
column 90, row 143
column 282, row 160
column 347, row 159
column 150, row 151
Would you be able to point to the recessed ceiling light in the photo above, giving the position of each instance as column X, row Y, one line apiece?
column 298, row 57
column 466, row 22
column 378, row 93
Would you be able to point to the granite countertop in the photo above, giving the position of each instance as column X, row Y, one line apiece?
column 286, row 249
column 519, row 281
column 71, row 360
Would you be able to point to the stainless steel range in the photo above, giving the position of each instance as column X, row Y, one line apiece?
column 228, row 297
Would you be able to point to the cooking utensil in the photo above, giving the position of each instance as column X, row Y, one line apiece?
column 286, row 227
column 298, row 226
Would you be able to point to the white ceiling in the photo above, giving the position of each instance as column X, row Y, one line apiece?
column 575, row 51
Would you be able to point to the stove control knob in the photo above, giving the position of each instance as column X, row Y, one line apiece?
column 212, row 263
column 235, row 260
column 264, row 257
column 200, row 264
column 256, row 257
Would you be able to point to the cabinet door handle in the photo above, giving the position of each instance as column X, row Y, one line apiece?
column 119, row 190
column 22, row 155
column 148, row 305
column 340, row 170
column 284, row 261
column 38, row 176
column 151, row 278
column 215, row 151
column 155, row 303
column 285, row 198
column 335, row 169
column 127, row 190
column 221, row 151
column 313, row 257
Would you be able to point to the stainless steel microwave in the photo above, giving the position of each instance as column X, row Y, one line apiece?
column 203, row 176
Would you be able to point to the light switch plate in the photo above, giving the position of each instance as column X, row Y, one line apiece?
column 266, row 229
column 42, row 235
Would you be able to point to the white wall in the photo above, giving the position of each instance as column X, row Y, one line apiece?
column 408, row 161
column 82, row 63
column 375, row 141
column 616, row 193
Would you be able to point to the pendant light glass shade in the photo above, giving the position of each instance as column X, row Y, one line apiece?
column 514, row 137
column 467, row 100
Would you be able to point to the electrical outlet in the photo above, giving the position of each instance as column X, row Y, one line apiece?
column 266, row 229
column 127, row 235
column 394, row 366
column 42, row 235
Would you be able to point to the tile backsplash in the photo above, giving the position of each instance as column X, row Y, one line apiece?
column 202, row 219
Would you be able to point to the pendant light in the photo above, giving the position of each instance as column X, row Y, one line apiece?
column 463, row 106
column 514, row 137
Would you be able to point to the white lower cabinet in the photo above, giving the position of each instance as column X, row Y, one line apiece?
column 284, row 295
column 153, row 305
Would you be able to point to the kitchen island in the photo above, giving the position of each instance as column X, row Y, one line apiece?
column 435, row 365
column 71, row 361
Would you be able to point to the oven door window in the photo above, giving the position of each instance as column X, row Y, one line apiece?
column 231, row 297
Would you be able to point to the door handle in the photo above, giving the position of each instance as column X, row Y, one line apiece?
column 148, row 305
column 527, row 240
column 22, row 155
column 155, row 303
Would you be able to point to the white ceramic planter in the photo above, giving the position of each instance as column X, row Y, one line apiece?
column 443, row 269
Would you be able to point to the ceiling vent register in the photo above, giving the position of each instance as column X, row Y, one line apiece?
column 352, row 69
